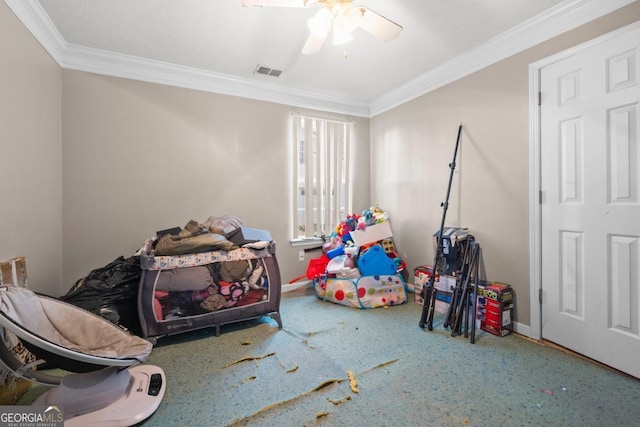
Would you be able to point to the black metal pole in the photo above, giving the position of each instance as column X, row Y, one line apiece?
column 429, row 305
column 476, row 279
column 462, row 292
column 448, row 320
column 455, row 328
column 455, row 297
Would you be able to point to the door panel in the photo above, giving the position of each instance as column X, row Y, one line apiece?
column 590, row 212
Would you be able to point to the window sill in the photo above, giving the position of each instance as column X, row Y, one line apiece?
column 310, row 241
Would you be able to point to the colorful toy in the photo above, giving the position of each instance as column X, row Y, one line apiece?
column 388, row 245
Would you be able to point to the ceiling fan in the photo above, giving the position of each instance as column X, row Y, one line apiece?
column 340, row 17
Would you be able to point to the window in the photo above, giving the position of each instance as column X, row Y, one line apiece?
column 321, row 176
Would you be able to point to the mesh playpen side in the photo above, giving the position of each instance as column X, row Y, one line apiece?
column 186, row 292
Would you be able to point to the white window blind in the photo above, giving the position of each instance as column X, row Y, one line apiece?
column 321, row 175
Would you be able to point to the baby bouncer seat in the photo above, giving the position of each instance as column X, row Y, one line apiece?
column 107, row 384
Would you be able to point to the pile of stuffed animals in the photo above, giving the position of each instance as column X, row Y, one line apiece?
column 340, row 252
column 371, row 216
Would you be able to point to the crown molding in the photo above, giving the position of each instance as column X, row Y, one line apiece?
column 80, row 58
column 97, row 61
column 561, row 18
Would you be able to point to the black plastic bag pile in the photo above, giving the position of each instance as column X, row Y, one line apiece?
column 111, row 292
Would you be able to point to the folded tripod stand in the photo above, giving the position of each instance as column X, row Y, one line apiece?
column 463, row 304
column 429, row 291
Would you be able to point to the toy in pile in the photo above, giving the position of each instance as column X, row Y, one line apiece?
column 359, row 266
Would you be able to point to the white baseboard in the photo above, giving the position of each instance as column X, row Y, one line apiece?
column 522, row 329
column 297, row 285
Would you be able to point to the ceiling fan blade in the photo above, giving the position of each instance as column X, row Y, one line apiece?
column 313, row 44
column 378, row 26
column 279, row 3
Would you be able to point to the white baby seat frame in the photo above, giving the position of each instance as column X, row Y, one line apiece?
column 107, row 384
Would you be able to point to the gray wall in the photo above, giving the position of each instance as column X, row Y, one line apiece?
column 93, row 165
column 412, row 146
column 141, row 157
column 30, row 155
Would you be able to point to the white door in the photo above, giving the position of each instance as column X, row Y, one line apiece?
column 590, row 211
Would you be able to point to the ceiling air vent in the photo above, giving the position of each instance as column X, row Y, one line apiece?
column 267, row 71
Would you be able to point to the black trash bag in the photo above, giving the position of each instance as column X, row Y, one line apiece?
column 111, row 292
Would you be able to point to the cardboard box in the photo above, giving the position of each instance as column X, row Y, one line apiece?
column 14, row 272
column 421, row 276
column 371, row 234
column 494, row 308
column 443, row 300
column 443, row 284
column 243, row 235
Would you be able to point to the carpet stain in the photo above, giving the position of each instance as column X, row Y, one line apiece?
column 321, row 386
column 324, row 384
column 382, row 365
column 284, row 366
column 352, row 382
column 285, row 402
column 248, row 359
column 339, row 402
column 549, row 392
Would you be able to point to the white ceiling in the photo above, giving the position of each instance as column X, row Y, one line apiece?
column 216, row 45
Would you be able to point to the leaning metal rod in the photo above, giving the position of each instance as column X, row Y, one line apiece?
column 464, row 290
column 428, row 296
column 470, row 294
column 454, row 300
column 429, row 305
column 476, row 279
column 455, row 297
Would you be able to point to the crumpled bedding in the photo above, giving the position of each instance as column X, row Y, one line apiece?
column 70, row 327
column 202, row 271
column 182, row 292
column 185, row 279
column 193, row 238
column 225, row 223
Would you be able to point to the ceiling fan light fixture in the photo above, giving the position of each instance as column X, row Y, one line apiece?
column 350, row 20
column 341, row 16
column 345, row 23
column 320, row 24
column 340, row 34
